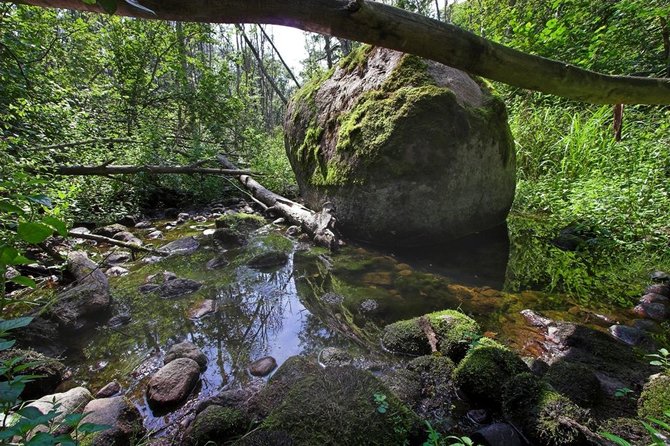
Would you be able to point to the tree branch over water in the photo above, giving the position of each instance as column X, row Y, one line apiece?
column 390, row 27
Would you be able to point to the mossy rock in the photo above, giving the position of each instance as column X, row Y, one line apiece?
column 387, row 135
column 434, row 372
column 575, row 381
column 454, row 331
column 216, row 425
column 546, row 417
column 240, row 222
column 655, row 397
column 485, row 370
column 405, row 384
column 336, row 406
column 263, row 437
column 49, row 372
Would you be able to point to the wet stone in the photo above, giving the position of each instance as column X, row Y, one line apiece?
column 660, row 276
column 217, row 262
column 143, row 225
column 173, row 382
column 153, row 235
column 127, row 237
column 334, row 357
column 229, row 237
column 262, row 366
column 332, row 299
column 268, row 260
column 182, row 246
column 117, row 271
column 369, row 305
column 292, row 231
column 647, row 325
column 117, row 258
column 655, row 311
column 658, row 288
column 188, row 350
column 652, row 298
column 109, row 230
column 120, row 415
column 627, row 335
column 110, row 389
column 202, row 309
column 119, row 319
column 171, row 288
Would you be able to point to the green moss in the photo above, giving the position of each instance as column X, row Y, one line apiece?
column 575, row 381
column 337, row 406
column 655, row 398
column 356, row 59
column 435, row 374
column 216, row 424
column 240, row 221
column 405, row 337
column 547, row 417
column 455, row 331
column 485, row 370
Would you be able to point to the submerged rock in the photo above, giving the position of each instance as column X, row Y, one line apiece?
column 335, row 357
column 171, row 288
column 229, row 237
column 202, row 309
column 240, row 221
column 268, row 260
column 217, row 262
column 216, row 425
column 42, row 336
column 172, row 383
column 186, row 350
column 409, row 151
column 123, row 419
column 182, row 246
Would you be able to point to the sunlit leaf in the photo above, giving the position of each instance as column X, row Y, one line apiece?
column 34, row 232
column 57, row 224
column 41, row 199
column 25, row 281
column 12, row 324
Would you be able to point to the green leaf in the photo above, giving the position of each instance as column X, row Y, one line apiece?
column 615, row 439
column 6, row 345
column 109, row 6
column 30, row 412
column 10, row 391
column 42, row 439
column 57, row 224
column 34, row 232
column 41, row 199
column 25, row 281
column 658, row 363
column 18, row 322
column 89, row 428
column 10, row 208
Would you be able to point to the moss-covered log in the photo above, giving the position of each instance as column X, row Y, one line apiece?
column 394, row 28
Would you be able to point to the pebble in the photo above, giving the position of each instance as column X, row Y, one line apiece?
column 110, row 389
column 116, row 271
column 262, row 366
column 202, row 309
column 155, row 235
column 627, row 335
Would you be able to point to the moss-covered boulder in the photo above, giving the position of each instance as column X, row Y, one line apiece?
column 575, row 381
column 240, row 222
column 342, row 406
column 655, row 398
column 216, row 425
column 409, row 151
column 454, row 331
column 485, row 370
column 546, row 417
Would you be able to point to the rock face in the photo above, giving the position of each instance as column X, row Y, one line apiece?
column 408, row 151
column 172, row 383
column 123, row 418
column 72, row 401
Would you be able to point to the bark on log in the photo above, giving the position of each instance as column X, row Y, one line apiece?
column 394, row 28
column 116, row 170
column 319, row 225
column 102, row 239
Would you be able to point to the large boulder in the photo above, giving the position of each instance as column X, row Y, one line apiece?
column 409, row 151
column 65, row 403
column 120, row 416
column 172, row 383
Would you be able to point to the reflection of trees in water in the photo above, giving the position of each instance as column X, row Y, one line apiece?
column 314, row 335
column 250, row 312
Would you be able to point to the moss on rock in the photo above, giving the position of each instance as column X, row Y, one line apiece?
column 485, row 370
column 405, row 337
column 655, row 397
column 217, row 425
column 336, row 406
column 575, row 381
column 240, row 221
column 547, row 417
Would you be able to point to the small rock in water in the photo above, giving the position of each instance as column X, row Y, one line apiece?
column 199, row 219
column 479, row 416
column 155, row 235
column 124, row 420
column 119, row 320
column 627, row 335
column 382, row 278
column 182, row 246
column 268, row 260
column 293, row 231
column 535, row 319
column 188, row 350
column 655, row 311
column 110, row 230
column 127, row 237
column 117, row 258
column 279, row 221
column 172, row 383
column 110, row 389
column 183, row 216
column 178, row 287
column 262, row 366
column 229, row 237
column 80, row 230
column 334, row 357
column 332, row 298
column 148, row 288
column 369, row 305
column 143, row 224
column 651, row 298
column 209, row 231
column 660, row 276
column 168, row 275
column 116, row 271
column 217, row 262
column 202, row 309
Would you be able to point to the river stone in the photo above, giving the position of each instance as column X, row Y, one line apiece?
column 217, row 262
column 72, row 401
column 498, row 434
column 655, row 311
column 186, row 350
column 660, row 276
column 182, row 246
column 89, row 299
column 215, row 425
column 658, row 288
column 145, row 224
column 171, row 288
column 153, row 235
column 268, row 260
column 121, row 415
column 127, row 237
column 335, row 357
column 108, row 390
column 173, row 382
column 117, row 258
column 654, row 298
column 116, row 271
column 229, row 237
column 262, row 366
column 409, row 151
column 109, row 230
column 627, row 335
column 201, row 309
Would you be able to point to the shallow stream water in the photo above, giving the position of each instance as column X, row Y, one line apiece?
column 317, row 300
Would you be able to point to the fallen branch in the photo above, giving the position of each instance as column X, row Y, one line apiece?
column 102, row 239
column 116, row 170
column 319, row 225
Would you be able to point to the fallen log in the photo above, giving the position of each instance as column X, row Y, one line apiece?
column 102, row 239
column 319, row 225
column 121, row 170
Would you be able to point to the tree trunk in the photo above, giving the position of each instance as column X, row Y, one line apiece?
column 319, row 225
column 390, row 27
